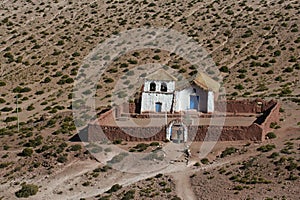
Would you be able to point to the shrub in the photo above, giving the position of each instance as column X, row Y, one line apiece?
column 129, row 195
column 69, row 80
column 108, row 80
column 30, row 107
column 266, row 64
column 124, row 65
column 154, row 144
column 19, row 89
column 2, row 83
column 274, row 155
column 10, row 119
column 141, row 147
column 156, row 57
column 158, row 175
column 224, row 69
column 133, row 62
column 6, row 109
column 229, row 12
column 113, row 70
column 238, row 187
column 277, row 53
column 39, row 92
column 234, row 94
column 176, row 66
column 4, row 165
column 266, row 148
column 167, row 190
column 292, row 177
column 293, row 59
column 27, row 190
column 87, row 183
column 117, row 141
column 114, row 188
column 76, row 54
column 285, row 91
column 271, row 135
column 291, row 166
column 27, row 152
column 34, row 142
column 238, row 87
column 288, row 69
column 279, row 78
column 228, row 151
column 105, row 198
column 273, row 124
column 242, row 71
column 2, row 100
column 270, row 72
column 75, row 147
column 241, row 76
column 182, row 70
column 248, row 33
column 62, row 159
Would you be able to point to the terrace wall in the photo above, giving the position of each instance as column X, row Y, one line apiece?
column 255, row 132
column 270, row 115
column 195, row 133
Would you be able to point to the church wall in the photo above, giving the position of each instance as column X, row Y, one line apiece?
column 210, row 101
column 170, row 85
column 149, row 100
column 195, row 133
column 183, row 99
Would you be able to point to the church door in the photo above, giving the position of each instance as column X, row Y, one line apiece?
column 158, row 107
column 194, row 102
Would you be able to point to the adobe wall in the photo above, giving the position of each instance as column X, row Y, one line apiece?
column 254, row 132
column 195, row 133
column 232, row 106
column 239, row 106
column 103, row 133
column 227, row 133
column 107, row 117
column 272, row 115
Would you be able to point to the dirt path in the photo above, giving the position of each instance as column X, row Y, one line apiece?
column 59, row 180
column 183, row 186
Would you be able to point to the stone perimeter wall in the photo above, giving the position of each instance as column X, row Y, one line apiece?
column 254, row 132
column 195, row 133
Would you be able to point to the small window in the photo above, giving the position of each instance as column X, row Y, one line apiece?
column 152, row 86
column 163, row 87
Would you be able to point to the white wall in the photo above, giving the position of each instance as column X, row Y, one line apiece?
column 170, row 85
column 182, row 99
column 149, row 99
column 210, row 102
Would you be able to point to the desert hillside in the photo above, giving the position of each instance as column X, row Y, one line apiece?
column 255, row 46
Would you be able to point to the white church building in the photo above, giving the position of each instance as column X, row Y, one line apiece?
column 163, row 93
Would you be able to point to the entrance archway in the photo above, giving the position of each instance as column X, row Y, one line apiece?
column 177, row 131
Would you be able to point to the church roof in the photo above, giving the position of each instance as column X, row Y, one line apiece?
column 161, row 75
column 205, row 82
column 201, row 80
